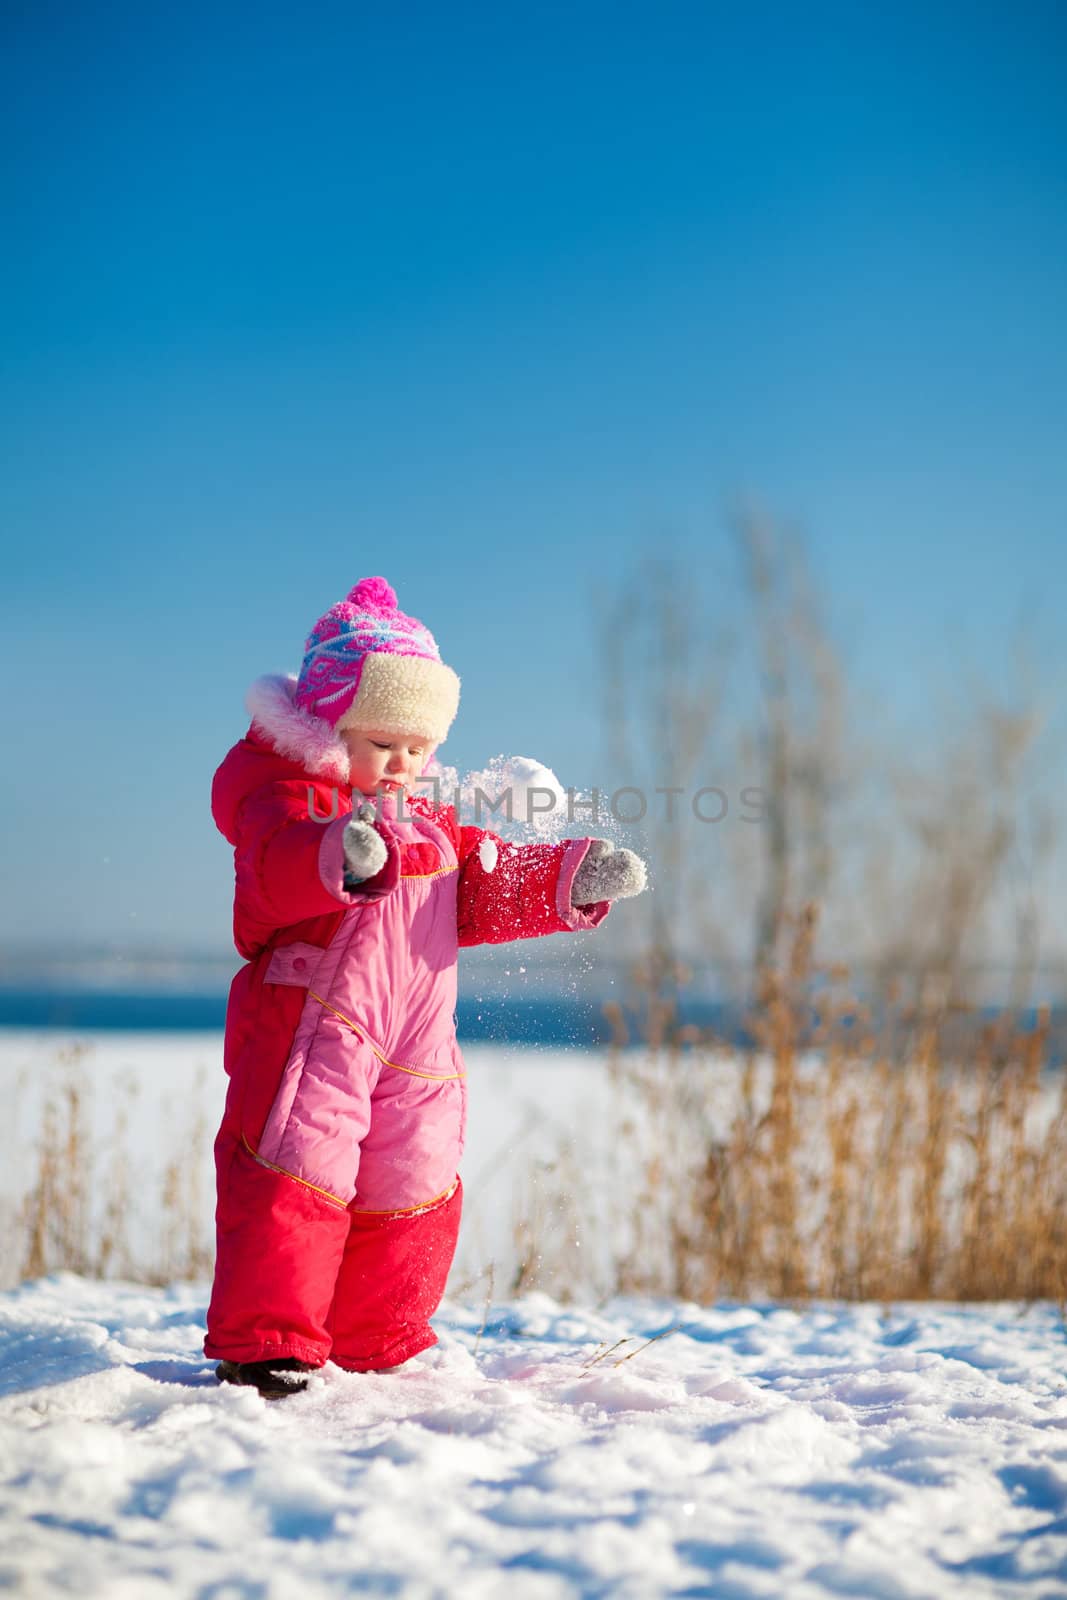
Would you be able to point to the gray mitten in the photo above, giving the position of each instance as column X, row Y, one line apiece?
column 608, row 874
column 365, row 851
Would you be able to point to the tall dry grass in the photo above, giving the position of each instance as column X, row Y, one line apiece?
column 88, row 1208
column 903, row 1147
column 920, row 1153
column 916, row 1153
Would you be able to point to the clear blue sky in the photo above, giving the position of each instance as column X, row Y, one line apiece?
column 490, row 299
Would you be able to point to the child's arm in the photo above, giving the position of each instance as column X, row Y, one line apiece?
column 290, row 866
column 509, row 891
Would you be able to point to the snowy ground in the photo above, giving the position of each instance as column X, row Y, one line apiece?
column 749, row 1452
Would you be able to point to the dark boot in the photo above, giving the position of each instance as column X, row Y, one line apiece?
column 275, row 1380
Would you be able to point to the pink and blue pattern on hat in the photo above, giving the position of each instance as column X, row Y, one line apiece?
column 368, row 621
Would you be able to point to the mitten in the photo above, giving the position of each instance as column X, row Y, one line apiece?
column 608, row 874
column 365, row 851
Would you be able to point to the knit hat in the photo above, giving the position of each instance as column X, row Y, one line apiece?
column 367, row 665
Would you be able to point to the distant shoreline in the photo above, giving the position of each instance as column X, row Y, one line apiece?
column 564, row 1020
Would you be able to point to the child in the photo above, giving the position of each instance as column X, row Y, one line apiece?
column 338, row 1196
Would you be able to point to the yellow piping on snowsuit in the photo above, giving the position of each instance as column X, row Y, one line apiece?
column 334, row 1199
column 434, row 1077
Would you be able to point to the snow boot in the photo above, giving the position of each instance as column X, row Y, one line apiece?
column 275, row 1380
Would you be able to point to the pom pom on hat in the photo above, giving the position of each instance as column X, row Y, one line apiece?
column 367, row 664
column 373, row 594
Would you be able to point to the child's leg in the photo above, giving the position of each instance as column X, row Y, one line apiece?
column 279, row 1248
column 390, row 1283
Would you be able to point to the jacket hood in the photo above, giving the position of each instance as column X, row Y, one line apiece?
column 283, row 742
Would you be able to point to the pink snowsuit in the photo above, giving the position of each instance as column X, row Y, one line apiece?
column 338, row 1194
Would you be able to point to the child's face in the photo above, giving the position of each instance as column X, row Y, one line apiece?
column 387, row 760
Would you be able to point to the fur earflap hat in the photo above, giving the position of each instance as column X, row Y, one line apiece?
column 368, row 665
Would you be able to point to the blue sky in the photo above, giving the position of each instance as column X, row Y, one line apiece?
column 493, row 300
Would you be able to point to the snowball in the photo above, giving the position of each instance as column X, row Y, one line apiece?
column 487, row 855
column 516, row 796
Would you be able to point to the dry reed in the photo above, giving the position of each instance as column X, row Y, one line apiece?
column 87, row 1200
column 919, row 1153
column 886, row 1154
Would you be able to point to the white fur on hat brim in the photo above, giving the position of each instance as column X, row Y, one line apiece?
column 404, row 694
column 294, row 732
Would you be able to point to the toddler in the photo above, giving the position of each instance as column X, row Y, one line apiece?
column 338, row 1194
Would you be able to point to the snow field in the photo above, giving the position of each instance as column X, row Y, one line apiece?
column 578, row 1176
column 538, row 1452
column 149, row 1104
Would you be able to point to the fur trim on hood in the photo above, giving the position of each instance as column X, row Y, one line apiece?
column 295, row 733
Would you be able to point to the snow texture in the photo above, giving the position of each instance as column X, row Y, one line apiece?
column 539, row 1451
